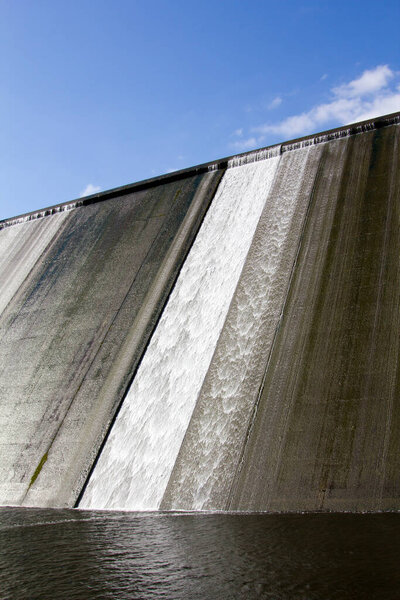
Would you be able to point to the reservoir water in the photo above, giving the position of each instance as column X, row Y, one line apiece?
column 48, row 554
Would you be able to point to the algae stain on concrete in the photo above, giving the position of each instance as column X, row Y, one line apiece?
column 38, row 469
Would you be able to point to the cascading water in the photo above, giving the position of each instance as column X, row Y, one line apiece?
column 209, row 455
column 135, row 465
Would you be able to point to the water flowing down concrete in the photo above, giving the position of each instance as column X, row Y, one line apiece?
column 220, row 338
column 135, row 465
column 209, row 455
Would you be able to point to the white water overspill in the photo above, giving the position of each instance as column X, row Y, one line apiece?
column 135, row 465
column 255, row 156
column 40, row 214
column 211, row 449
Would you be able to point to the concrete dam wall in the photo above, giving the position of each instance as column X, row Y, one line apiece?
column 226, row 337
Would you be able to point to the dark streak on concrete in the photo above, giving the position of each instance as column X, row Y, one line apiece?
column 66, row 359
column 325, row 436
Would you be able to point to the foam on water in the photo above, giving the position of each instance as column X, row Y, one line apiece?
column 135, row 465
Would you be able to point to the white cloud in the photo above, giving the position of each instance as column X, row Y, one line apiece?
column 363, row 98
column 369, row 82
column 245, row 144
column 89, row 190
column 275, row 102
column 323, row 77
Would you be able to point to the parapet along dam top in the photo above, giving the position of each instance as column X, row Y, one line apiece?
column 220, row 338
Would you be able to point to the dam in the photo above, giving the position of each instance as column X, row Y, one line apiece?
column 220, row 338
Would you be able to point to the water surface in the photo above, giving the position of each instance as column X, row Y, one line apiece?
column 69, row 554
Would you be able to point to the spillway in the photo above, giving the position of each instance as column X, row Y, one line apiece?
column 221, row 338
column 136, row 462
column 208, row 458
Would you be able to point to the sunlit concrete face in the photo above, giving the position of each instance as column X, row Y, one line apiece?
column 74, row 329
column 21, row 248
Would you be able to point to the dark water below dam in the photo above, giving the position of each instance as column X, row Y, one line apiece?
column 71, row 554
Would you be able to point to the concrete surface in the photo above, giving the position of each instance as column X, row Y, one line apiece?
column 72, row 335
column 325, row 430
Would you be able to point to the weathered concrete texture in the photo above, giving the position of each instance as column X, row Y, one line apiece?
column 325, row 432
column 20, row 248
column 72, row 337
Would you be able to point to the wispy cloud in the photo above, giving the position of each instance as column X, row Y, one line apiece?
column 370, row 81
column 375, row 92
column 275, row 103
column 368, row 96
column 238, row 132
column 172, row 169
column 89, row 190
column 245, row 144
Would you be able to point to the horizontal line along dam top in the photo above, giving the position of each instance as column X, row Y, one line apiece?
column 223, row 163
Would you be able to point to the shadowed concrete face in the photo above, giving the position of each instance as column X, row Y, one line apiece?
column 72, row 335
column 325, row 434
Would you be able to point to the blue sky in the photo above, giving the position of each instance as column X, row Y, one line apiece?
column 97, row 94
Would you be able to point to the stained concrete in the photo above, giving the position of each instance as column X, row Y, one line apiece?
column 325, row 430
column 313, row 392
column 72, row 336
column 20, row 248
